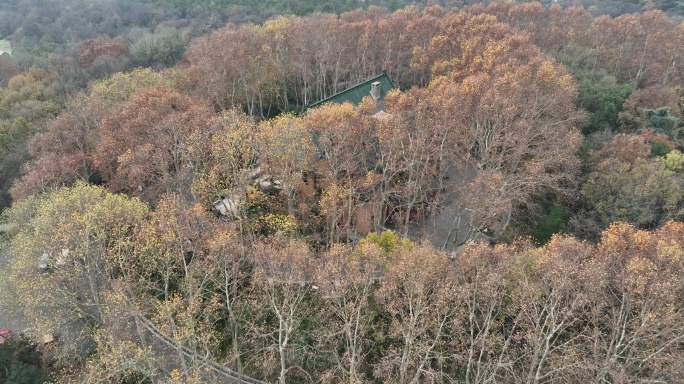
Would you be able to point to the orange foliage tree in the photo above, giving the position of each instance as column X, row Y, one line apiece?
column 508, row 110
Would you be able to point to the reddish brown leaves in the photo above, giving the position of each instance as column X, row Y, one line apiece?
column 91, row 50
column 143, row 148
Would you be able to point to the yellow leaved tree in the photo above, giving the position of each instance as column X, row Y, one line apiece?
column 66, row 251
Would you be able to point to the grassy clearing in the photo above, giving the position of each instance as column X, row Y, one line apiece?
column 5, row 46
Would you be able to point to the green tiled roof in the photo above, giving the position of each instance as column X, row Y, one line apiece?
column 356, row 93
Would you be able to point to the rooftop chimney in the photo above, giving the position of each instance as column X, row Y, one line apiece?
column 375, row 90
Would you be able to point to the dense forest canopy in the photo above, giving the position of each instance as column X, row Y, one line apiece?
column 175, row 213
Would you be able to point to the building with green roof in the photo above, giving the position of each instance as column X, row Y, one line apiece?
column 376, row 87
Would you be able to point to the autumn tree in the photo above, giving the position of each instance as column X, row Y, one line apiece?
column 412, row 158
column 635, row 338
column 162, row 48
column 8, row 69
column 625, row 185
column 123, row 352
column 26, row 107
column 286, row 150
column 225, row 70
column 66, row 253
column 640, row 193
column 631, row 118
column 549, row 300
column 487, row 340
column 144, row 146
column 318, row 62
column 639, row 49
column 346, row 139
column 650, row 57
column 224, row 153
column 65, row 152
column 92, row 50
column 506, row 104
column 171, row 277
column 522, row 311
column 418, row 32
column 346, row 281
column 229, row 253
column 418, row 298
column 330, row 54
column 121, row 87
column 282, row 275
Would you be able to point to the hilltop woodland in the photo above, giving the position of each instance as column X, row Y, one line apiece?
column 176, row 214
